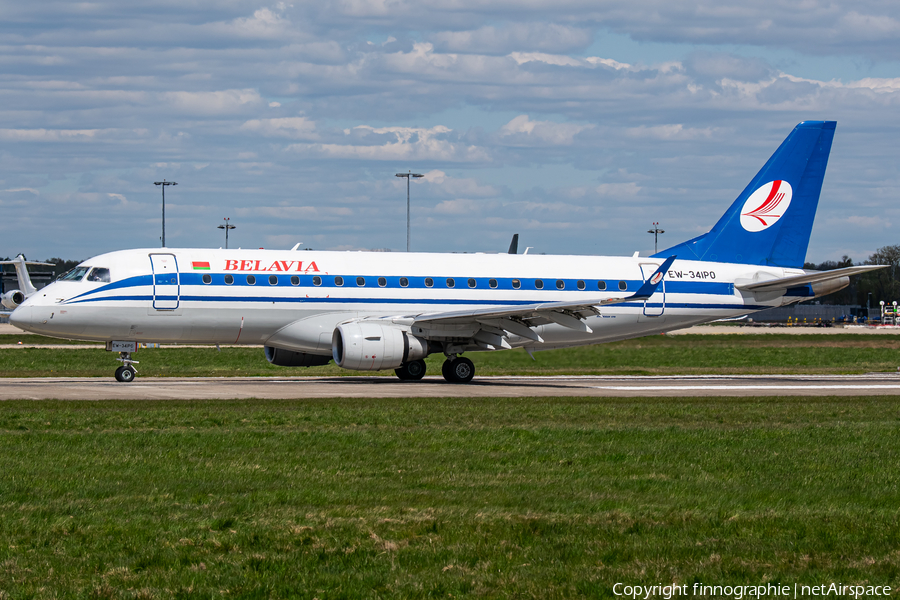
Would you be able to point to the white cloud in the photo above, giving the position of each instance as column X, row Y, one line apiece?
column 407, row 143
column 607, row 62
column 675, row 131
column 492, row 39
column 460, row 207
column 620, row 190
column 523, row 131
column 290, row 127
column 442, row 184
column 550, row 59
column 221, row 102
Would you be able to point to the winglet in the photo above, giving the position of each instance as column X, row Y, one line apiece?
column 649, row 287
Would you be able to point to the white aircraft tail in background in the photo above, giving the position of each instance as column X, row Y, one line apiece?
column 14, row 298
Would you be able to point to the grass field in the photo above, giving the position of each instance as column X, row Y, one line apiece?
column 655, row 355
column 410, row 498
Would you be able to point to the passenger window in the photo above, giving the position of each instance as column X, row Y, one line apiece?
column 516, row 284
column 404, row 282
column 99, row 274
column 492, row 283
column 450, row 282
column 382, row 282
column 623, row 285
column 296, row 280
column 361, row 282
column 560, row 284
column 580, row 284
column 273, row 280
column 251, row 280
column 601, row 285
column 207, row 279
column 316, row 280
column 229, row 279
column 339, row 281
column 429, row 282
column 471, row 282
column 538, row 284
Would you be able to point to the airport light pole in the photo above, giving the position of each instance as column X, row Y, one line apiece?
column 226, row 227
column 164, row 183
column 408, row 176
column 655, row 231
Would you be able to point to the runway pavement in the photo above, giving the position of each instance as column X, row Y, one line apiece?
column 149, row 388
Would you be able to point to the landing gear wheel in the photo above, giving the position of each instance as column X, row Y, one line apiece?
column 446, row 371
column 125, row 374
column 458, row 370
column 411, row 371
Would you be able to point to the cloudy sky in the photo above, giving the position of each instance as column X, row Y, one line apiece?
column 574, row 123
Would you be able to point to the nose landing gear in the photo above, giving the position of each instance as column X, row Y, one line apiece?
column 126, row 373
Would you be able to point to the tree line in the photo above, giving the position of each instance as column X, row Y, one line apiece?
column 882, row 284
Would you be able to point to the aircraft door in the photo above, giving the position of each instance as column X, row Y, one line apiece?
column 656, row 305
column 166, row 281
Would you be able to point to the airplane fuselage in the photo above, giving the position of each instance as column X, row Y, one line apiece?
column 248, row 296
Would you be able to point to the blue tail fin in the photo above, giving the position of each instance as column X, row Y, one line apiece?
column 771, row 221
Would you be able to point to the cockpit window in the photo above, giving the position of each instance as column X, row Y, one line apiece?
column 99, row 274
column 75, row 274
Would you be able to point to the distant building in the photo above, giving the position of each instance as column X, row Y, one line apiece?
column 809, row 312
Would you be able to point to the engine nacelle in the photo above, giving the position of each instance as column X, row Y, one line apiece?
column 829, row 287
column 12, row 299
column 290, row 358
column 369, row 346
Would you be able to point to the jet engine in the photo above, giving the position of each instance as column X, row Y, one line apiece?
column 290, row 358
column 12, row 299
column 369, row 346
column 829, row 287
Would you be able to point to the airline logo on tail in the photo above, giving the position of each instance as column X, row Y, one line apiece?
column 766, row 205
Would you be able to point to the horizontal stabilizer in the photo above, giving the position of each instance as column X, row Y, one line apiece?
column 783, row 283
column 30, row 263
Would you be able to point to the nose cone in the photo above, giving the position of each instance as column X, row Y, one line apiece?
column 22, row 317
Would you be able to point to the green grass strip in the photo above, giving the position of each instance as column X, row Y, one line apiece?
column 415, row 498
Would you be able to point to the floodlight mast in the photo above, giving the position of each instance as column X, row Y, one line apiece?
column 164, row 183
column 408, row 175
column 226, row 227
column 655, row 231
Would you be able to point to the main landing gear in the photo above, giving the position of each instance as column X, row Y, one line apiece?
column 414, row 370
column 456, row 369
column 126, row 372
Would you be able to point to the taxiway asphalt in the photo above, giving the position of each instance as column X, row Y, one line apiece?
column 149, row 388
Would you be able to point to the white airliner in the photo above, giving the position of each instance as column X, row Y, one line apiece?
column 374, row 311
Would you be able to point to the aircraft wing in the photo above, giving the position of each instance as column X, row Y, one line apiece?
column 518, row 319
column 805, row 279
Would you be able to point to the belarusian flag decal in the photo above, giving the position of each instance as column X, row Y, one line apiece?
column 200, row 266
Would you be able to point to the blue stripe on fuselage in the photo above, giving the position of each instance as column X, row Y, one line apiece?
column 217, row 280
